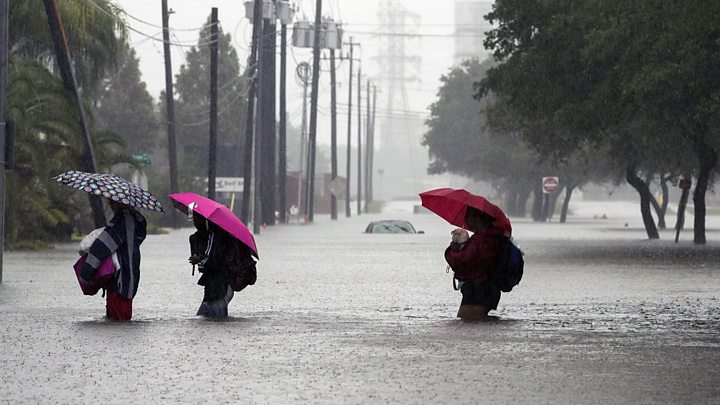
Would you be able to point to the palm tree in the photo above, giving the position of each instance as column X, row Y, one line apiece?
column 96, row 36
column 48, row 142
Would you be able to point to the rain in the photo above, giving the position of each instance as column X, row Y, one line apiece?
column 584, row 132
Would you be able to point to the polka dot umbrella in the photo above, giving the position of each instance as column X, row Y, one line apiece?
column 112, row 187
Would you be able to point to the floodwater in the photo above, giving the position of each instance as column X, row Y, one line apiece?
column 601, row 316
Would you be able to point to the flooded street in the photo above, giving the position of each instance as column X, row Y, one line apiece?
column 601, row 316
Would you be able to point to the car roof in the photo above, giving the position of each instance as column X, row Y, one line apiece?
column 389, row 220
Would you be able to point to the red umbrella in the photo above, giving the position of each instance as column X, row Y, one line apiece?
column 218, row 214
column 451, row 204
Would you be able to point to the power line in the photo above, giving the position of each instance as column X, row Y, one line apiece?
column 124, row 23
column 411, row 35
column 220, row 112
column 448, row 25
column 160, row 26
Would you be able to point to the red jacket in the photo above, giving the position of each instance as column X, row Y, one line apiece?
column 476, row 261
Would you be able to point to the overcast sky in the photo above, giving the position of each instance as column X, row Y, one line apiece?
column 360, row 20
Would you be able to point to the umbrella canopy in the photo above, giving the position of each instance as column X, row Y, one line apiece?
column 218, row 214
column 451, row 205
column 112, row 187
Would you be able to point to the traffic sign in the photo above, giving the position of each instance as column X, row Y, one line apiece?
column 229, row 184
column 550, row 184
column 685, row 184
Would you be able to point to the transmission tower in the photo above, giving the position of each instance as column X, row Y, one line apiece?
column 397, row 67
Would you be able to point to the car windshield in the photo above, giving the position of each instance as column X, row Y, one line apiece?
column 393, row 227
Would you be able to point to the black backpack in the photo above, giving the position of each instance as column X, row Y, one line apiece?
column 239, row 265
column 509, row 268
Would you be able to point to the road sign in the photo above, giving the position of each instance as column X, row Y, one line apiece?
column 229, row 184
column 142, row 158
column 549, row 184
column 685, row 184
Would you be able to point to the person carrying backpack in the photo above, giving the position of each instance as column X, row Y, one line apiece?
column 208, row 250
column 222, row 247
column 473, row 262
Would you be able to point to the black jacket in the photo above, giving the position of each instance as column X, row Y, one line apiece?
column 212, row 249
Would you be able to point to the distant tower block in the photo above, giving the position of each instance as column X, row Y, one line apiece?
column 470, row 28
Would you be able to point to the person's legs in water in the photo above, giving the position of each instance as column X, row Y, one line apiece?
column 473, row 312
column 479, row 298
column 216, row 308
column 117, row 307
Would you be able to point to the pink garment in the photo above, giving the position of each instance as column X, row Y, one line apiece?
column 101, row 277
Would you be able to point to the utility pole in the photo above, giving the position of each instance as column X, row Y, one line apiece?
column 212, row 144
column 250, row 117
column 359, row 141
column 303, row 71
column 267, row 159
column 282, row 164
column 259, row 122
column 348, row 212
column 67, row 72
column 170, row 111
column 368, row 151
column 371, row 145
column 4, row 51
column 333, row 134
column 313, row 106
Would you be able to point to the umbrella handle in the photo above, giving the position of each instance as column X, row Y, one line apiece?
column 193, row 272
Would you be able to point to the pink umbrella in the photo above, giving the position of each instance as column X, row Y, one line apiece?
column 218, row 214
column 451, row 204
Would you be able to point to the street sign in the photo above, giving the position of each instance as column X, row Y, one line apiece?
column 549, row 184
column 685, row 184
column 142, row 158
column 229, row 184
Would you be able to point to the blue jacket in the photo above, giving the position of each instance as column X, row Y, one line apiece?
column 124, row 234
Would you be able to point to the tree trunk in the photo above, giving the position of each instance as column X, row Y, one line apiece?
column 708, row 160
column 523, row 198
column 538, row 198
column 566, row 203
column 510, row 204
column 553, row 202
column 680, row 221
column 658, row 211
column 665, row 201
column 644, row 191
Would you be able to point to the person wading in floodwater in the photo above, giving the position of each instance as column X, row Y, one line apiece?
column 208, row 250
column 123, row 235
column 473, row 261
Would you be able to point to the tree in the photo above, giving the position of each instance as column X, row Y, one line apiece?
column 123, row 106
column 48, row 136
column 95, row 33
column 192, row 106
column 459, row 141
column 670, row 70
column 577, row 68
column 462, row 140
column 48, row 143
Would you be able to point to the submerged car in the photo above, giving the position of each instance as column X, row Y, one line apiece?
column 391, row 226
